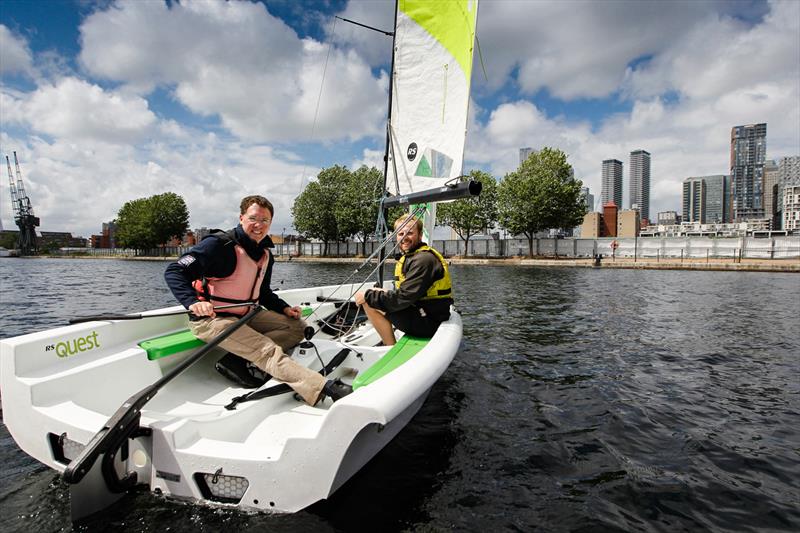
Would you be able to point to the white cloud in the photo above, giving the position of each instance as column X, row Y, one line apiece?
column 15, row 54
column 75, row 109
column 580, row 48
column 719, row 53
column 236, row 61
column 75, row 186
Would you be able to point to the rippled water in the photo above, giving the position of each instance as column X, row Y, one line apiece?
column 581, row 399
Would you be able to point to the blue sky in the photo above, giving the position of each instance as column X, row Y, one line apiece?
column 107, row 101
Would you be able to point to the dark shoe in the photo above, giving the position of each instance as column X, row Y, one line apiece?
column 336, row 389
column 241, row 371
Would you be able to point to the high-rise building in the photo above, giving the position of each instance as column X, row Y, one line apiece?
column 524, row 153
column 706, row 199
column 789, row 170
column 788, row 177
column 639, row 182
column 748, row 155
column 611, row 190
column 588, row 199
column 717, row 198
column 791, row 208
column 693, row 199
column 771, row 189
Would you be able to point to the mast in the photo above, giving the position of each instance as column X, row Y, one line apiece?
column 381, row 225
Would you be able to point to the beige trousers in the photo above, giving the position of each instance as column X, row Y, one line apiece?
column 262, row 341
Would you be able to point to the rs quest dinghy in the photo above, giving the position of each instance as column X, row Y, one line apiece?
column 128, row 401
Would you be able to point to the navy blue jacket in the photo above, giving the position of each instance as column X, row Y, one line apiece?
column 215, row 257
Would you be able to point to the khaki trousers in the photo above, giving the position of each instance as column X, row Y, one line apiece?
column 262, row 341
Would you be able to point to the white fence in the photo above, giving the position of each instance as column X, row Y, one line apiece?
column 642, row 247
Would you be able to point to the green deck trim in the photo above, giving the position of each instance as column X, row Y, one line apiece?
column 173, row 343
column 406, row 348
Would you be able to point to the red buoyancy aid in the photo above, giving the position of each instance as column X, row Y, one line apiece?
column 242, row 286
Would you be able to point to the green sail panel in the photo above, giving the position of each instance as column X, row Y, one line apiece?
column 424, row 169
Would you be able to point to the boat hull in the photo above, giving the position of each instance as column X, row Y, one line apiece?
column 59, row 387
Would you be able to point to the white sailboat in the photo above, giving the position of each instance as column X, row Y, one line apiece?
column 127, row 401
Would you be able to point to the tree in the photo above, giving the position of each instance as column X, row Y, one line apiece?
column 314, row 210
column 145, row 223
column 357, row 206
column 170, row 216
column 470, row 216
column 134, row 229
column 539, row 195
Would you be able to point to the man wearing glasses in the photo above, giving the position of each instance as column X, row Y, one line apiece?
column 235, row 267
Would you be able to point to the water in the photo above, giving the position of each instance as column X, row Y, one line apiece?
column 581, row 399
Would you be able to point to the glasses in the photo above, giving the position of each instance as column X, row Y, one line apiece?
column 254, row 220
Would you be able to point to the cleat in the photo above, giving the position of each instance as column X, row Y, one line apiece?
column 336, row 389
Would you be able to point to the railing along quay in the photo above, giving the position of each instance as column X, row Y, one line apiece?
column 642, row 248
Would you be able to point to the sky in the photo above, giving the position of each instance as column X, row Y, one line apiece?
column 109, row 101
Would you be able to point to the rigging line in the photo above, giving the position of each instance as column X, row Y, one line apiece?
column 319, row 99
column 389, row 33
column 480, row 56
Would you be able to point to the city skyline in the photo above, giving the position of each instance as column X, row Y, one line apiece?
column 200, row 105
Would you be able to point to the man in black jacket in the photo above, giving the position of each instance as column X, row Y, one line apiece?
column 423, row 290
column 236, row 267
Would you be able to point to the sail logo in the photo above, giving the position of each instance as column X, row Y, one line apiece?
column 411, row 153
column 74, row 346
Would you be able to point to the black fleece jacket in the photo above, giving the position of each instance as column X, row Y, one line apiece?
column 215, row 257
column 420, row 271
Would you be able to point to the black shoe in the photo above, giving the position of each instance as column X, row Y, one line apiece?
column 241, row 371
column 336, row 389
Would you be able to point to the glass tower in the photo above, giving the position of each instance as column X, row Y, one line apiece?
column 639, row 183
column 748, row 155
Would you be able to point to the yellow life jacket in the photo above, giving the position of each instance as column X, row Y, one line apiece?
column 441, row 288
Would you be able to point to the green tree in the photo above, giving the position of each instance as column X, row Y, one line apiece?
column 145, row 223
column 358, row 204
column 134, row 229
column 540, row 195
column 9, row 240
column 314, row 210
column 470, row 216
column 170, row 216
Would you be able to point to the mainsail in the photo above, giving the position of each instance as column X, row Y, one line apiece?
column 434, row 41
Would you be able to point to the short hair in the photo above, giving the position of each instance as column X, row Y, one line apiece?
column 247, row 201
column 414, row 220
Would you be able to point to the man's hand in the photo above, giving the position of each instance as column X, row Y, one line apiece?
column 202, row 309
column 359, row 298
column 292, row 312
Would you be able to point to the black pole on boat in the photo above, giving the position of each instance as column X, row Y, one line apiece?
column 124, row 425
column 384, row 211
column 82, row 319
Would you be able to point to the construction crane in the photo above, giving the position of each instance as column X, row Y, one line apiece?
column 23, row 211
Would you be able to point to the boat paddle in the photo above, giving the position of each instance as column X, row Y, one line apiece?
column 81, row 319
column 94, row 485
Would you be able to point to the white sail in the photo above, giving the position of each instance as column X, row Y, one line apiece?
column 431, row 82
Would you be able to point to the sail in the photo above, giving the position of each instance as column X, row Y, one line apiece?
column 432, row 68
